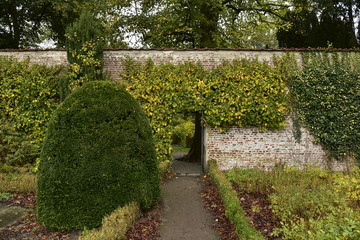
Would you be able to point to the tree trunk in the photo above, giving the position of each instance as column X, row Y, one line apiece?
column 194, row 154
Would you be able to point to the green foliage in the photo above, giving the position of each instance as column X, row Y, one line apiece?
column 326, row 95
column 98, row 155
column 115, row 225
column 184, row 133
column 28, row 94
column 181, row 149
column 208, row 23
column 315, row 23
column 245, row 93
column 241, row 93
column 21, row 23
column 4, row 195
column 311, row 204
column 84, row 46
column 16, row 149
column 233, row 210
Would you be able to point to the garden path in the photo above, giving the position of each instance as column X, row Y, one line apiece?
column 185, row 216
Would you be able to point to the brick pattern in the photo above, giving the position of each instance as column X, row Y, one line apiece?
column 251, row 148
column 50, row 58
column 113, row 58
column 239, row 147
column 209, row 58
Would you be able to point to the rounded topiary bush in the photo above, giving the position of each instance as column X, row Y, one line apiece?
column 98, row 155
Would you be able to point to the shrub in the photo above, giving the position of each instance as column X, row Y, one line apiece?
column 245, row 93
column 115, row 225
column 233, row 210
column 98, row 155
column 28, row 94
column 326, row 95
column 184, row 134
column 312, row 204
column 84, row 47
column 16, row 149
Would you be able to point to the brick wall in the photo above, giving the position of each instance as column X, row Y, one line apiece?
column 239, row 147
column 48, row 57
column 112, row 58
column 251, row 148
column 208, row 58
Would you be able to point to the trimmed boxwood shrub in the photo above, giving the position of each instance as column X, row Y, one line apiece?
column 98, row 155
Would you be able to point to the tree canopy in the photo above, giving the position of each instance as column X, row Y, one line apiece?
column 319, row 23
column 187, row 23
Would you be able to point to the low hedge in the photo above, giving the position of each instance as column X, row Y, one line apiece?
column 115, row 225
column 233, row 210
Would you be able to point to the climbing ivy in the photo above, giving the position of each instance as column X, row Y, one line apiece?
column 245, row 93
column 326, row 93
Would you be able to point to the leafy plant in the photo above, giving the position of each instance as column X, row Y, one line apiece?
column 99, row 150
column 16, row 149
column 18, row 182
column 243, row 93
column 29, row 94
column 4, row 195
column 115, row 225
column 311, row 204
column 233, row 210
column 184, row 134
column 84, row 46
column 325, row 95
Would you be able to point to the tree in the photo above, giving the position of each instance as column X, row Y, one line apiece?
column 207, row 23
column 110, row 14
column 211, row 23
column 25, row 23
column 317, row 23
column 21, row 22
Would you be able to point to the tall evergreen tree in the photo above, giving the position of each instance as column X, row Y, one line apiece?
column 318, row 23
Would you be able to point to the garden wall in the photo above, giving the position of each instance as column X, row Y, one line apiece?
column 238, row 147
column 252, row 148
column 112, row 58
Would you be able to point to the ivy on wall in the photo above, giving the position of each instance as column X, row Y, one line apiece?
column 326, row 93
column 245, row 93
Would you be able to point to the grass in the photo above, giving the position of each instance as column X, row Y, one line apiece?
column 181, row 149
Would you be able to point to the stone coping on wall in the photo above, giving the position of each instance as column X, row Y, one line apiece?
column 198, row 49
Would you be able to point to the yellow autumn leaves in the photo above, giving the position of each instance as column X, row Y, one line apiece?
column 245, row 93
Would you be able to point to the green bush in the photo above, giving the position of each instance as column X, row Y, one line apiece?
column 233, row 210
column 98, row 155
column 29, row 94
column 243, row 93
column 84, row 47
column 17, row 182
column 115, row 225
column 326, row 95
column 184, row 134
column 16, row 149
